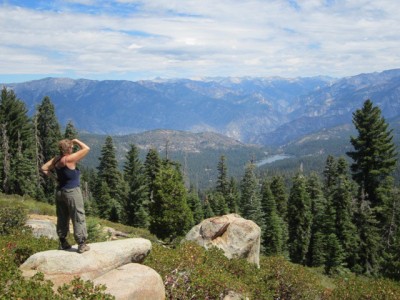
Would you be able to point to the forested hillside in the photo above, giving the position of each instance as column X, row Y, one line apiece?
column 345, row 220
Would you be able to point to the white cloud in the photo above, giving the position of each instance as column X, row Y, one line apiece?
column 145, row 39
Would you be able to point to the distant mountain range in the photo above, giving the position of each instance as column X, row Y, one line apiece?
column 265, row 111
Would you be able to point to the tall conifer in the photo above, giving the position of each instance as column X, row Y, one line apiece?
column 374, row 152
column 316, row 250
column 195, row 205
column 299, row 220
column 152, row 166
column 233, row 196
column 222, row 180
column 272, row 236
column 109, row 181
column 170, row 214
column 374, row 159
column 250, row 200
column 136, row 204
column 49, row 134
column 17, row 146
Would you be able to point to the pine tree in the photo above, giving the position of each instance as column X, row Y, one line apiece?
column 109, row 180
column 334, row 254
column 88, row 184
column 368, row 257
column 233, row 196
column 17, row 146
column 222, row 180
column 272, row 238
column 278, row 190
column 250, row 200
column 318, row 208
column 108, row 167
column 195, row 205
column 374, row 159
column 208, row 212
column 217, row 203
column 299, row 220
column 103, row 200
column 137, row 200
column 391, row 241
column 374, row 152
column 70, row 131
column 48, row 134
column 170, row 214
column 48, row 128
column 342, row 202
column 330, row 174
column 152, row 166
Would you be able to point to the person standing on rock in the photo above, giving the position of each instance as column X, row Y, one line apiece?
column 69, row 199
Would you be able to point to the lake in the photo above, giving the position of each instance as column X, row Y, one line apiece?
column 271, row 159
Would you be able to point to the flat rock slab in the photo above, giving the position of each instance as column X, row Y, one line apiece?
column 133, row 282
column 62, row 266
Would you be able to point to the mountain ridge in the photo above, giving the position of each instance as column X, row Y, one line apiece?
column 270, row 111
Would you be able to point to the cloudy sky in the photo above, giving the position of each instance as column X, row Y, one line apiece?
column 145, row 39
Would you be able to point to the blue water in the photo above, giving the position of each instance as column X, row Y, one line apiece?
column 271, row 159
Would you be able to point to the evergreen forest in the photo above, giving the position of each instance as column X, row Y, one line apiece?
column 342, row 218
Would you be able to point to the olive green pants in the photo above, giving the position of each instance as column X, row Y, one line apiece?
column 69, row 206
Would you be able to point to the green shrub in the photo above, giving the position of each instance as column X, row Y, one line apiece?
column 95, row 231
column 191, row 272
column 80, row 289
column 21, row 244
column 358, row 287
column 11, row 219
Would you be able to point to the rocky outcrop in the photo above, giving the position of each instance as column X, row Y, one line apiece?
column 43, row 228
column 236, row 236
column 109, row 263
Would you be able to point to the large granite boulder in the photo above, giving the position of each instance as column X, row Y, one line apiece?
column 109, row 263
column 133, row 281
column 236, row 236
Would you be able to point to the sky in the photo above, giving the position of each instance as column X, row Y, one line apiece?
column 148, row 39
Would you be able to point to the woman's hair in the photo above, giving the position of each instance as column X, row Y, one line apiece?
column 64, row 146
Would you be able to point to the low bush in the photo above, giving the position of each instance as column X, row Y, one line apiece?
column 11, row 219
column 190, row 272
column 95, row 231
column 359, row 287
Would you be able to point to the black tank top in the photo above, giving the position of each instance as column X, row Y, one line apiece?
column 68, row 178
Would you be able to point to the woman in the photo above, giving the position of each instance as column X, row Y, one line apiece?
column 69, row 199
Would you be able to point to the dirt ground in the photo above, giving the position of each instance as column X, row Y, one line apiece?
column 43, row 217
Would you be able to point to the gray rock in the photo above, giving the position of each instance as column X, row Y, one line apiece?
column 43, row 228
column 61, row 266
column 236, row 236
column 133, row 282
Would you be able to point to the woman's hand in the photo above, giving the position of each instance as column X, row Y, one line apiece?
column 81, row 153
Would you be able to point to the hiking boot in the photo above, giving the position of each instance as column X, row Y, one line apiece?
column 83, row 248
column 64, row 245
